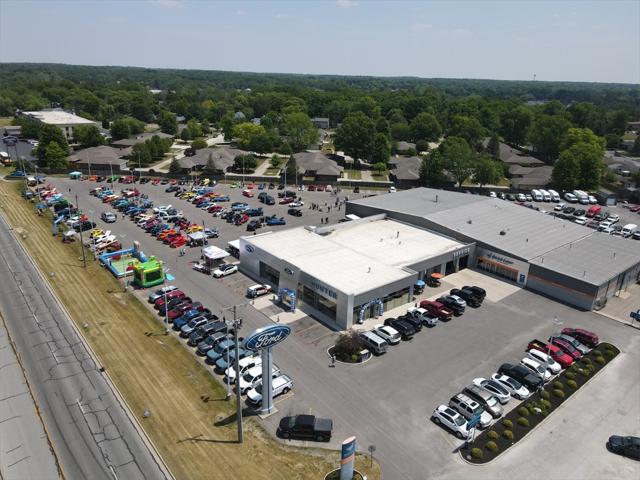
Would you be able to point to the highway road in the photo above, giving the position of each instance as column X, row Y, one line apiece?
column 90, row 431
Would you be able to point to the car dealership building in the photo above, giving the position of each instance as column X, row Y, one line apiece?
column 350, row 271
column 563, row 260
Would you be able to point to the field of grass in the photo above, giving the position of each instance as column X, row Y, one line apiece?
column 353, row 174
column 156, row 373
column 380, row 178
column 272, row 171
column 5, row 121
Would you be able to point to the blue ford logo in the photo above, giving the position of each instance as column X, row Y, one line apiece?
column 248, row 248
column 288, row 270
column 266, row 337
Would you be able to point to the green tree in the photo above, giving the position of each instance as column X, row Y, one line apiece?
column 566, row 172
column 185, row 135
column 30, row 128
column 245, row 163
column 468, row 128
column 55, row 155
column 588, row 150
column 227, row 123
column 48, row 134
column 432, row 170
column 245, row 131
column 168, row 123
column 142, row 154
column 493, row 147
column 210, row 167
column 425, row 127
column 356, row 136
column 368, row 106
column 381, row 148
column 261, row 143
column 458, row 158
column 135, row 125
column 88, row 136
column 300, row 130
column 400, row 131
column 613, row 140
column 487, row 171
column 175, row 167
column 380, row 167
column 195, row 129
column 635, row 149
column 199, row 144
column 382, row 126
column 120, row 129
column 422, row 146
column 275, row 161
column 515, row 124
column 546, row 135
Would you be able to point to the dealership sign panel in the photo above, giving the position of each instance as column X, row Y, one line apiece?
column 266, row 337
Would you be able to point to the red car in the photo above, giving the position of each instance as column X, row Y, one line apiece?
column 170, row 238
column 155, row 181
column 437, row 309
column 319, row 188
column 242, row 219
column 311, row 188
column 590, row 339
column 178, row 241
column 247, row 193
column 173, row 182
column 179, row 310
column 556, row 353
column 566, row 347
column 286, row 200
column 159, row 303
column 214, row 208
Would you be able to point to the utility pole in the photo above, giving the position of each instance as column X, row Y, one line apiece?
column 84, row 259
column 236, row 323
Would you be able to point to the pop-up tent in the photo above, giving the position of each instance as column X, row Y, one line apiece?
column 212, row 254
column 197, row 239
column 75, row 175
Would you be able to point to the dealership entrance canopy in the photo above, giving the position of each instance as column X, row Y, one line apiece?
column 347, row 272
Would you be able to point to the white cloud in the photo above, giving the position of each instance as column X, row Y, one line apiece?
column 166, row 3
column 346, row 3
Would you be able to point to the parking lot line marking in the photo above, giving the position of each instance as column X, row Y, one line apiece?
column 300, row 332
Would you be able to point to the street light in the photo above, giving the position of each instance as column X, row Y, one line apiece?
column 236, row 323
column 166, row 310
column 557, row 324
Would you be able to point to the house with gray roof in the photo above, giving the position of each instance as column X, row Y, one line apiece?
column 222, row 159
column 405, row 171
column 141, row 138
column 527, row 178
column 403, row 147
column 102, row 159
column 318, row 165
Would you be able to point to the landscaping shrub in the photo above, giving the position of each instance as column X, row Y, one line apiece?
column 597, row 353
column 586, row 361
column 508, row 434
column 523, row 411
column 558, row 393
column 558, row 385
column 492, row 435
column 491, row 446
column 545, row 395
column 600, row 360
column 507, row 423
column 572, row 384
column 570, row 376
column 477, row 453
column 609, row 353
column 585, row 372
column 348, row 346
column 523, row 422
column 547, row 403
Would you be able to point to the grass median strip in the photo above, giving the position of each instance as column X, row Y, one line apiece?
column 191, row 424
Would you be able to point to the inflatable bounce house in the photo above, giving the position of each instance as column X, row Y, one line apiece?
column 148, row 274
column 123, row 262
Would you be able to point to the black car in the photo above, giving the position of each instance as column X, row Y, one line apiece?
column 511, row 197
column 102, row 178
column 296, row 212
column 271, row 186
column 253, row 225
column 404, row 328
column 568, row 210
column 209, row 342
column 626, row 446
column 281, row 186
column 306, row 426
column 480, row 292
column 417, row 323
column 468, row 296
column 521, row 374
column 210, row 328
column 84, row 226
column 579, row 213
column 451, row 304
column 172, row 188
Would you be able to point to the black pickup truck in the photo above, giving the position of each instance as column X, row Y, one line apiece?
column 306, row 426
column 404, row 328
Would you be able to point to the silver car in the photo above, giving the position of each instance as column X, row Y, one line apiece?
column 494, row 388
column 389, row 334
column 582, row 348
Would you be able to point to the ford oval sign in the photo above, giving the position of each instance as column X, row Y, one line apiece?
column 248, row 248
column 266, row 337
column 289, row 271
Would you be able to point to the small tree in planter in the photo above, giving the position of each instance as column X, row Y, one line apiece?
column 558, row 386
column 348, row 346
column 600, row 360
column 523, row 422
column 491, row 446
column 477, row 453
column 558, row 393
column 572, row 384
column 545, row 395
column 492, row 435
column 524, row 411
column 508, row 434
column 507, row 423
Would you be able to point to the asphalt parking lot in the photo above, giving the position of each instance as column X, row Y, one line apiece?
column 387, row 401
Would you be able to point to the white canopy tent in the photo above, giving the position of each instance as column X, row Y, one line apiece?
column 211, row 254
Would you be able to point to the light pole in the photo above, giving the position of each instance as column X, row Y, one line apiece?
column 84, row 258
column 556, row 326
column 124, row 277
column 236, row 323
column 166, row 310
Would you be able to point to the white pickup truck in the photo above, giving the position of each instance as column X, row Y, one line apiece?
column 422, row 315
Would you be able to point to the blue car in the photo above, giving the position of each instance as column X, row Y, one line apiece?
column 222, row 198
column 188, row 315
column 273, row 220
column 180, row 322
column 239, row 206
column 219, row 351
column 221, row 363
column 254, row 212
column 261, row 186
column 17, row 174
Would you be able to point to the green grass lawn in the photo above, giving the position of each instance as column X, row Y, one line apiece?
column 353, row 174
column 380, row 178
column 272, row 171
column 5, row 121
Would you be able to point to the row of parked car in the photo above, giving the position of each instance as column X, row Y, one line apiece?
column 482, row 400
column 428, row 314
column 214, row 340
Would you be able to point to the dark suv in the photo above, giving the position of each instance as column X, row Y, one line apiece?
column 404, row 328
column 521, row 374
column 468, row 296
column 416, row 322
column 452, row 305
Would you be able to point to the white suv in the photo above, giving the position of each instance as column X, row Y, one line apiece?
column 252, row 377
column 451, row 419
column 280, row 385
column 469, row 408
column 389, row 334
column 535, row 368
column 542, row 358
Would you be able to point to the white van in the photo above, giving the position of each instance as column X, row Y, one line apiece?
column 555, row 196
column 629, row 229
column 373, row 342
column 570, row 197
column 546, row 196
column 583, row 197
column 537, row 196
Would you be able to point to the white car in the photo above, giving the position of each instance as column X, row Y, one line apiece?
column 541, row 357
column 452, row 420
column 252, row 377
column 536, row 368
column 528, row 197
column 162, row 208
column 521, row 198
column 392, row 190
column 492, row 195
column 580, row 220
column 605, row 225
column 514, row 387
column 390, row 334
column 244, row 364
column 494, row 388
column 280, row 385
column 559, row 207
column 33, row 143
column 593, row 200
column 296, row 204
column 160, row 293
column 613, row 218
column 224, row 270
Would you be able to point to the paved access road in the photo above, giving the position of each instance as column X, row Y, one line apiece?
column 89, row 429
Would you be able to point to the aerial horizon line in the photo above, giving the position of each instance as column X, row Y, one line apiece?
column 300, row 74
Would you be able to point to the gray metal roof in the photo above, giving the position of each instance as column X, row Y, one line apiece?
column 406, row 168
column 594, row 259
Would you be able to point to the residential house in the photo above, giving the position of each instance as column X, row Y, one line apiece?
column 319, row 166
column 321, row 122
column 405, row 171
column 222, row 159
column 141, row 138
column 404, row 148
column 527, row 178
column 100, row 160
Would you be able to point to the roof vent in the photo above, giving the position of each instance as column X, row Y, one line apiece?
column 502, row 232
column 469, row 221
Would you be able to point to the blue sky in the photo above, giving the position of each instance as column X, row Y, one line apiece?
column 596, row 41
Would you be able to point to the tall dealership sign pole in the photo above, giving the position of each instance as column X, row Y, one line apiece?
column 236, row 323
column 262, row 340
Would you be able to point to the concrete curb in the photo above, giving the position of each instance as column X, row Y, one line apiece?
column 542, row 422
column 123, row 403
